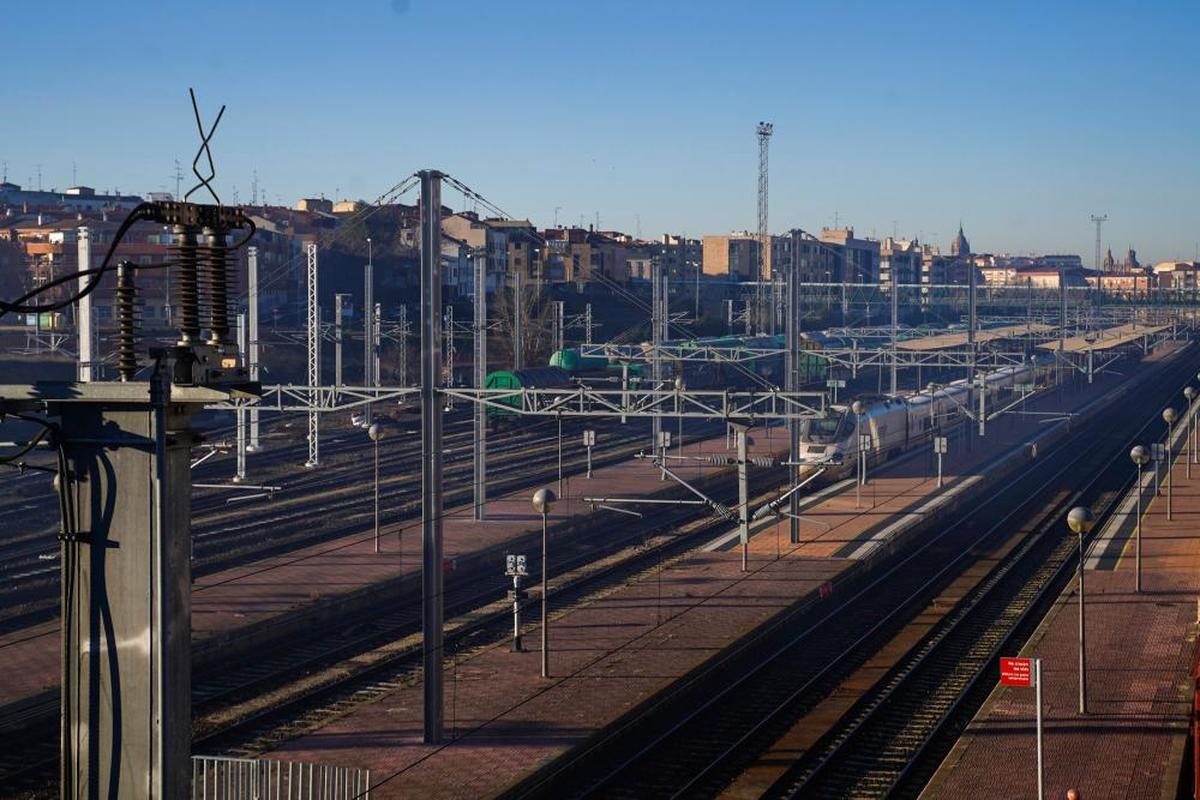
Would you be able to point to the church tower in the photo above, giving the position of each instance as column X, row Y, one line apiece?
column 960, row 246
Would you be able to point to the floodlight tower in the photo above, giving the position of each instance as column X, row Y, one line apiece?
column 764, row 139
column 1099, row 220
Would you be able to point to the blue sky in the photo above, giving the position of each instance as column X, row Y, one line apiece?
column 1020, row 118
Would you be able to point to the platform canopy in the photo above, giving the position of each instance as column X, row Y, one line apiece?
column 946, row 341
column 1106, row 339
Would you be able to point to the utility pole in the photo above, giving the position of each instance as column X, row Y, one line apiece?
column 448, row 344
column 518, row 345
column 252, row 321
column 431, row 455
column 86, row 326
column 339, row 302
column 657, row 319
column 480, row 443
column 368, row 326
column 403, row 344
column 314, row 359
column 559, row 325
column 792, row 384
column 587, row 323
column 764, row 131
column 895, row 326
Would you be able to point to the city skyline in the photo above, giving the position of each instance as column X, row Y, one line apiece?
column 891, row 125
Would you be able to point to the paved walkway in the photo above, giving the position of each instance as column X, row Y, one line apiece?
column 1131, row 743
column 505, row 721
column 260, row 591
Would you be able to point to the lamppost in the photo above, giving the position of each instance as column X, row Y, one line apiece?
column 542, row 500
column 1190, row 394
column 1168, row 416
column 1080, row 520
column 1141, row 457
column 856, row 408
column 376, row 431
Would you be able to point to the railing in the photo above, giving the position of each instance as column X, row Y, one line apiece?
column 221, row 778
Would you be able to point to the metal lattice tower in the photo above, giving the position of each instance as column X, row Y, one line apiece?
column 764, row 139
column 314, row 356
column 1099, row 220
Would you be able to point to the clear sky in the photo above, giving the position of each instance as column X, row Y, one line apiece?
column 1020, row 118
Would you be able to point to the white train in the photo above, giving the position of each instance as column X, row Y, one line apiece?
column 896, row 424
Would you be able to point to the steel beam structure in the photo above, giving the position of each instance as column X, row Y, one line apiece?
column 586, row 401
column 432, row 579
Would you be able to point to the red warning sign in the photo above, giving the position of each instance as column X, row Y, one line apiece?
column 1016, row 671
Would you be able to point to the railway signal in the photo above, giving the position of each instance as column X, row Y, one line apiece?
column 517, row 568
column 940, row 448
column 1026, row 673
column 589, row 441
column 664, row 445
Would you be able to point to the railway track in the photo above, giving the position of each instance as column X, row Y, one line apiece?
column 477, row 613
column 700, row 735
column 30, row 593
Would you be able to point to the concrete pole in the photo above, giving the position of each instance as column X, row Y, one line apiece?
column 480, row 443
column 432, row 598
column 376, row 344
column 656, row 338
column 252, row 319
column 518, row 323
column 895, row 324
column 743, row 457
column 314, row 360
column 86, row 325
column 368, row 327
column 791, row 329
column 126, row 687
column 403, row 345
column 339, row 301
column 240, row 414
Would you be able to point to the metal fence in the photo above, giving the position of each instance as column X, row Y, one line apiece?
column 220, row 778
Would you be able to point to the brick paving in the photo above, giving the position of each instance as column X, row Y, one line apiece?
column 1131, row 743
column 615, row 652
column 261, row 590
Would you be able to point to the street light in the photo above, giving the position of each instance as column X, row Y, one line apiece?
column 1080, row 521
column 1141, row 457
column 376, row 431
column 543, row 499
column 857, row 409
column 1190, row 394
column 1168, row 416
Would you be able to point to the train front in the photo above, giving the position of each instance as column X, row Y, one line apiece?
column 824, row 443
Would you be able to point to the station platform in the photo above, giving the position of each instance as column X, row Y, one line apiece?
column 504, row 722
column 1132, row 743
column 252, row 597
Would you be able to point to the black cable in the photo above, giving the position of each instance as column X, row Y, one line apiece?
column 143, row 212
column 140, row 212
